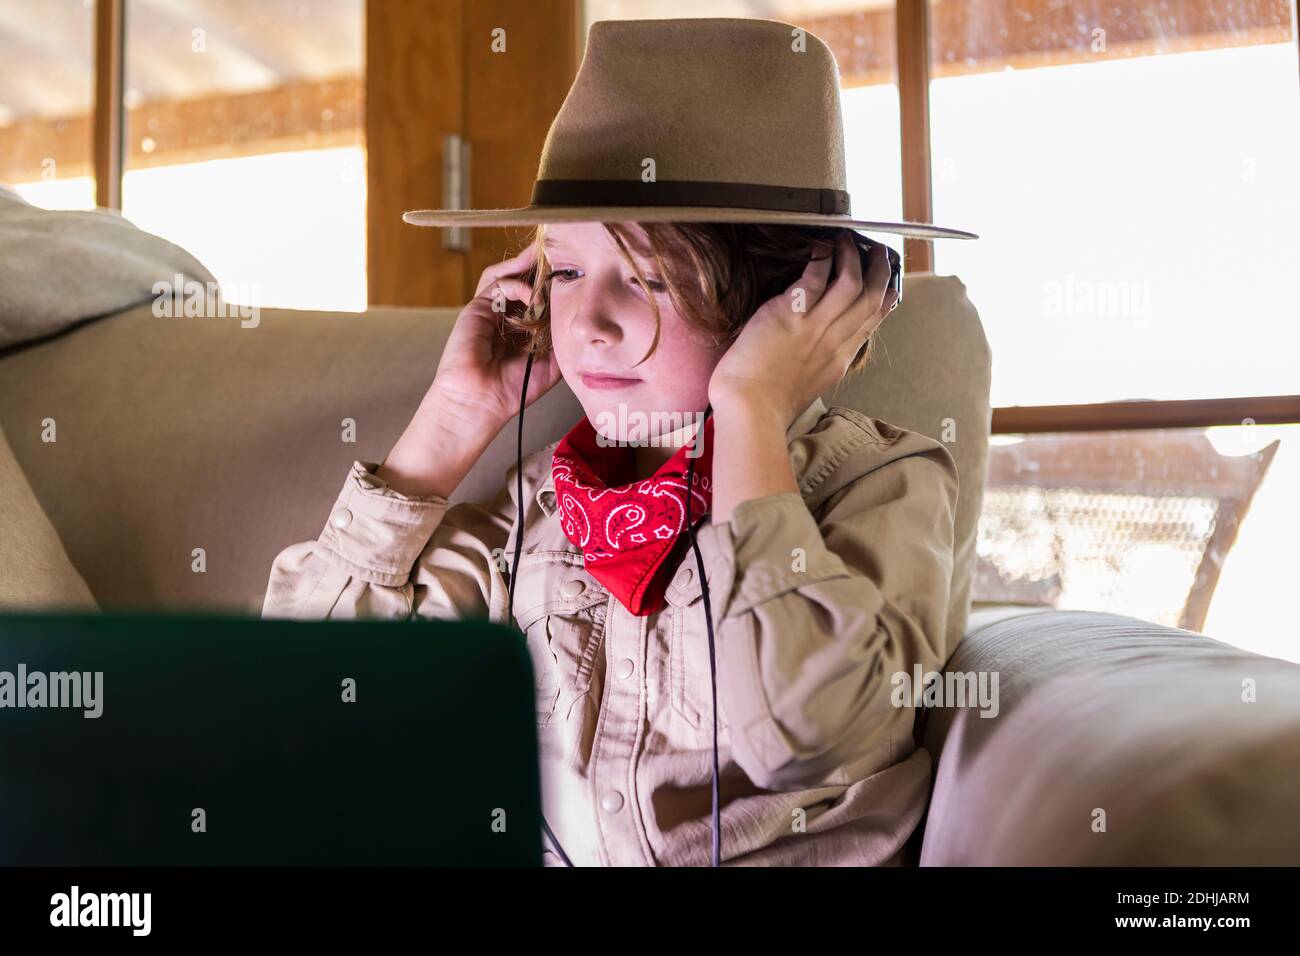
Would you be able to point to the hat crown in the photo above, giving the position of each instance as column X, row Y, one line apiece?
column 709, row 100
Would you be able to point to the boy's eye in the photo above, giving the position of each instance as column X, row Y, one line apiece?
column 570, row 275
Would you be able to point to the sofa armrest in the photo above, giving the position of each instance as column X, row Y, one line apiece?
column 1115, row 742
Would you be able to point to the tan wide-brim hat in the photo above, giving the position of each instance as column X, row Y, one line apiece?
column 695, row 120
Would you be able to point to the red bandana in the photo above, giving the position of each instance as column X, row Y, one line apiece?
column 626, row 528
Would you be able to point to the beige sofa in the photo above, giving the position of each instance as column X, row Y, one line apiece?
column 189, row 451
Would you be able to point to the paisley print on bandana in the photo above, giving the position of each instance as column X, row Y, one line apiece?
column 627, row 529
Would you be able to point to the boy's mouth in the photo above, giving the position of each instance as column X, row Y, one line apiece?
column 604, row 380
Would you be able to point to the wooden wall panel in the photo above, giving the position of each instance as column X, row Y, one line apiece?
column 1122, row 416
column 109, row 75
column 415, row 91
column 308, row 115
column 431, row 70
column 513, row 97
column 913, row 30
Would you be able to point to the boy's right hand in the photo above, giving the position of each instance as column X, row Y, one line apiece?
column 474, row 393
column 479, row 373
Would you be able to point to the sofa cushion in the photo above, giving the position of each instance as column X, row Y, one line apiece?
column 1189, row 747
column 35, row 572
column 192, row 450
column 65, row 266
column 931, row 374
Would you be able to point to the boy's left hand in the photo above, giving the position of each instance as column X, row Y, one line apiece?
column 796, row 346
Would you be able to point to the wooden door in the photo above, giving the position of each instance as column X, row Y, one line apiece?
column 492, row 71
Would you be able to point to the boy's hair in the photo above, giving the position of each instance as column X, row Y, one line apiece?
column 717, row 274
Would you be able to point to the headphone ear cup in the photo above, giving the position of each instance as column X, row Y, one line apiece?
column 895, row 263
column 895, row 273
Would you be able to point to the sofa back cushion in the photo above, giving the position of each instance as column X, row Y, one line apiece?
column 63, row 266
column 35, row 573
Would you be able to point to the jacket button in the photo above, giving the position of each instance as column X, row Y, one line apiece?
column 341, row 518
column 572, row 588
column 626, row 668
column 686, row 577
column 612, row 801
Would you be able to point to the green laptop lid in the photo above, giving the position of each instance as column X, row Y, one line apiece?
column 160, row 739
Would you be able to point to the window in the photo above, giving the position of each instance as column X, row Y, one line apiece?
column 1185, row 527
column 1132, row 173
column 46, row 102
column 244, row 143
column 1142, row 164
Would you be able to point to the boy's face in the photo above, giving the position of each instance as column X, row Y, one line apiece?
column 602, row 325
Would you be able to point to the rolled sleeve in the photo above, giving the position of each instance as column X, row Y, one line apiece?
column 376, row 533
column 816, row 613
column 769, row 541
column 384, row 554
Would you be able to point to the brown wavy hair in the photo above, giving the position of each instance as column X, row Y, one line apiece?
column 717, row 275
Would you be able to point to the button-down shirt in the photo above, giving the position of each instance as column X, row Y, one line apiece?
column 818, row 600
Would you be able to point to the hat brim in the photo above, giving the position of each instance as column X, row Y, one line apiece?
column 536, row 215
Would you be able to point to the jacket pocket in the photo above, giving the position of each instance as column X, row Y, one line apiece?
column 690, row 676
column 561, row 611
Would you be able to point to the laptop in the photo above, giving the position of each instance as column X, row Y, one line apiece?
column 211, row 740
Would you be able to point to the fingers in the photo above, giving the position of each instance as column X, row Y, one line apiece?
column 850, row 329
column 833, row 300
column 870, row 317
column 507, row 289
column 848, row 281
column 867, row 299
column 515, row 265
column 878, row 274
column 812, row 282
column 892, row 299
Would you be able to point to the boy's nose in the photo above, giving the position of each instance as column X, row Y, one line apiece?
column 597, row 324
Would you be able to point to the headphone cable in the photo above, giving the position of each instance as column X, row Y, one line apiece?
column 708, row 620
column 708, row 613
column 514, row 567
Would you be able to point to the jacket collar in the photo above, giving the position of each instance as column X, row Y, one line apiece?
column 799, row 427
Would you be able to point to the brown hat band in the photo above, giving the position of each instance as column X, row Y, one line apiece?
column 619, row 192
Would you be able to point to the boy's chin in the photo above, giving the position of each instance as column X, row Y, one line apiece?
column 605, row 423
column 641, row 428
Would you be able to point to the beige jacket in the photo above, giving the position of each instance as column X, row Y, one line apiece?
column 817, row 598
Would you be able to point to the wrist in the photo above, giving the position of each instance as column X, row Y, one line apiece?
column 436, row 451
column 446, row 410
column 752, row 409
column 750, row 456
